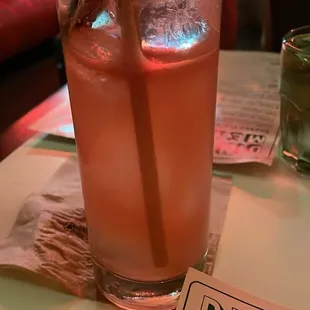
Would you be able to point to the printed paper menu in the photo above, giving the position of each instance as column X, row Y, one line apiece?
column 203, row 292
column 247, row 111
column 248, row 104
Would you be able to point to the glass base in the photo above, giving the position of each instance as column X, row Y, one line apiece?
column 299, row 165
column 131, row 295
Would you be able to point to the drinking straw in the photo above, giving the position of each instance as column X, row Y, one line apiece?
column 132, row 58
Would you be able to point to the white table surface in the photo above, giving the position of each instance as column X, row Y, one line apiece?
column 264, row 249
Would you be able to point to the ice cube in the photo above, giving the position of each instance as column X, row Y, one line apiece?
column 105, row 18
column 172, row 25
column 98, row 46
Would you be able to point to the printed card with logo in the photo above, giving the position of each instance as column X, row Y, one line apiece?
column 202, row 292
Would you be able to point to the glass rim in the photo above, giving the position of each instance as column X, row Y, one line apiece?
column 291, row 34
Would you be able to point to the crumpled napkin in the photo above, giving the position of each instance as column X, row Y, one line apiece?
column 48, row 243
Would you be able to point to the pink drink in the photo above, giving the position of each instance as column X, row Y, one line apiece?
column 182, row 95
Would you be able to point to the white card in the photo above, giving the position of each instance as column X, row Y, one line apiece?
column 202, row 292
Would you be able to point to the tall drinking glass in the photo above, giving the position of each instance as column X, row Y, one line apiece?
column 142, row 78
column 295, row 99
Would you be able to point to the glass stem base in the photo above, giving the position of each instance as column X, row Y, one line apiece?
column 300, row 165
column 130, row 294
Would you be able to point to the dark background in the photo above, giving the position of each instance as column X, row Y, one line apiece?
column 28, row 78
